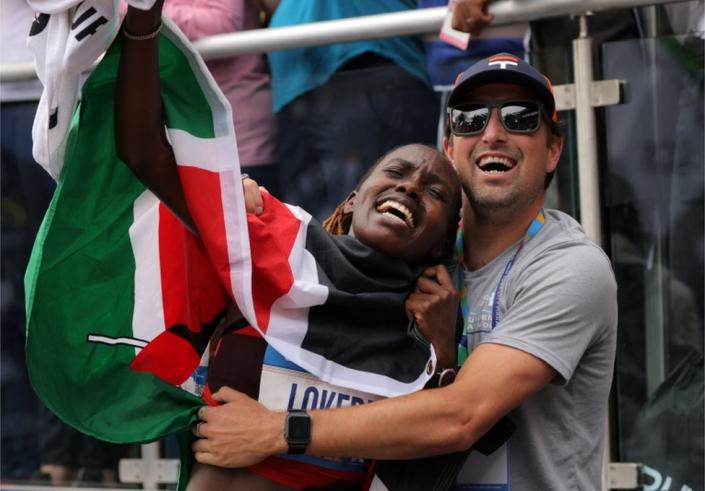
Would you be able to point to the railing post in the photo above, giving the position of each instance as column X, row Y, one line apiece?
column 150, row 456
column 588, row 172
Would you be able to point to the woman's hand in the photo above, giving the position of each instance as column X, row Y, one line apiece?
column 434, row 306
column 253, row 195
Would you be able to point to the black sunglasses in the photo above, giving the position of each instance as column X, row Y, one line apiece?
column 471, row 118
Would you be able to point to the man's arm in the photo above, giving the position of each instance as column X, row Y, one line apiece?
column 494, row 380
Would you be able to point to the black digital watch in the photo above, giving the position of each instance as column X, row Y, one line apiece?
column 297, row 431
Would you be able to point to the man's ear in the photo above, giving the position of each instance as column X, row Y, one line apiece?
column 554, row 153
column 448, row 147
column 350, row 202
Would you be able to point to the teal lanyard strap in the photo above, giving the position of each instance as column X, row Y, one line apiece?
column 534, row 228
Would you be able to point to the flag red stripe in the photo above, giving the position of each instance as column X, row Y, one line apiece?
column 169, row 357
column 272, row 237
column 191, row 292
column 192, row 295
column 203, row 194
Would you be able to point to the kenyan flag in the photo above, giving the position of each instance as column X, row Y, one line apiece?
column 122, row 299
column 113, row 270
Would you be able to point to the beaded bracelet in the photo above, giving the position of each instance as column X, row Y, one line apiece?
column 142, row 37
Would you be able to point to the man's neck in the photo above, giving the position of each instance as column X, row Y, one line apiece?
column 487, row 235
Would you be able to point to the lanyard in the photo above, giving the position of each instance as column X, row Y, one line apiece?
column 534, row 228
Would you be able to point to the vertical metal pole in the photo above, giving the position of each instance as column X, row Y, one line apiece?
column 588, row 174
column 650, row 21
column 150, row 456
column 588, row 171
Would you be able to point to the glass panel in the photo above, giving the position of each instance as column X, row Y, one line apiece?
column 654, row 196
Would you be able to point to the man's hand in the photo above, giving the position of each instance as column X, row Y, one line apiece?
column 434, row 306
column 471, row 15
column 239, row 433
column 253, row 195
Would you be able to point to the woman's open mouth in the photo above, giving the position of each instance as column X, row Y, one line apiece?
column 396, row 211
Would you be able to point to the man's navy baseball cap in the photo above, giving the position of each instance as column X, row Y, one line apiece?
column 508, row 69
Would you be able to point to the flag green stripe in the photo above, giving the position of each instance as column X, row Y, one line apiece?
column 197, row 89
column 186, row 107
column 80, row 279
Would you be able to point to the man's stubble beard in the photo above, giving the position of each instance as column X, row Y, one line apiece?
column 502, row 207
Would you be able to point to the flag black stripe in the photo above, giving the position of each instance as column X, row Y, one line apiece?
column 363, row 325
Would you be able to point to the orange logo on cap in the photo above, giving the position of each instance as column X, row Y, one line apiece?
column 503, row 60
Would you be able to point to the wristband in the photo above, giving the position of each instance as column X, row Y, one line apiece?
column 142, row 37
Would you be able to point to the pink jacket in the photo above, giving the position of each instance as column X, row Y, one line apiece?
column 243, row 79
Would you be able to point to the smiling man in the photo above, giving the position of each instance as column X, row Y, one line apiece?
column 540, row 314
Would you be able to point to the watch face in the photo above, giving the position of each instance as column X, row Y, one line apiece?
column 298, row 428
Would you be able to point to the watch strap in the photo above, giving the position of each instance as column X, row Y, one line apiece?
column 442, row 378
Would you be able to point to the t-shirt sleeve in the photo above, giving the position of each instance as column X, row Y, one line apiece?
column 558, row 305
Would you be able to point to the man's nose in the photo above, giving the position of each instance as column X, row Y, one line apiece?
column 494, row 131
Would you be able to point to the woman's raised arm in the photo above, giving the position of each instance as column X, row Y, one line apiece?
column 139, row 127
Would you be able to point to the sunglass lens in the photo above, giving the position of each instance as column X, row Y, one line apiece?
column 469, row 120
column 521, row 116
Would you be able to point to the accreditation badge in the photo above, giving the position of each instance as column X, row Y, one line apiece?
column 485, row 472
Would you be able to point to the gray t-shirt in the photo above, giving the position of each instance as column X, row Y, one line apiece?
column 557, row 302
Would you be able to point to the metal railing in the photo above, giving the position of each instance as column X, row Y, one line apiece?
column 420, row 21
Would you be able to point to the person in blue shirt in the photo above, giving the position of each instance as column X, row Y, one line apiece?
column 342, row 105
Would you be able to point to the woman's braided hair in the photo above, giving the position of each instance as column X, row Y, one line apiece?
column 338, row 223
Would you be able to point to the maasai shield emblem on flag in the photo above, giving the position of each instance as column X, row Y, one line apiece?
column 121, row 298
